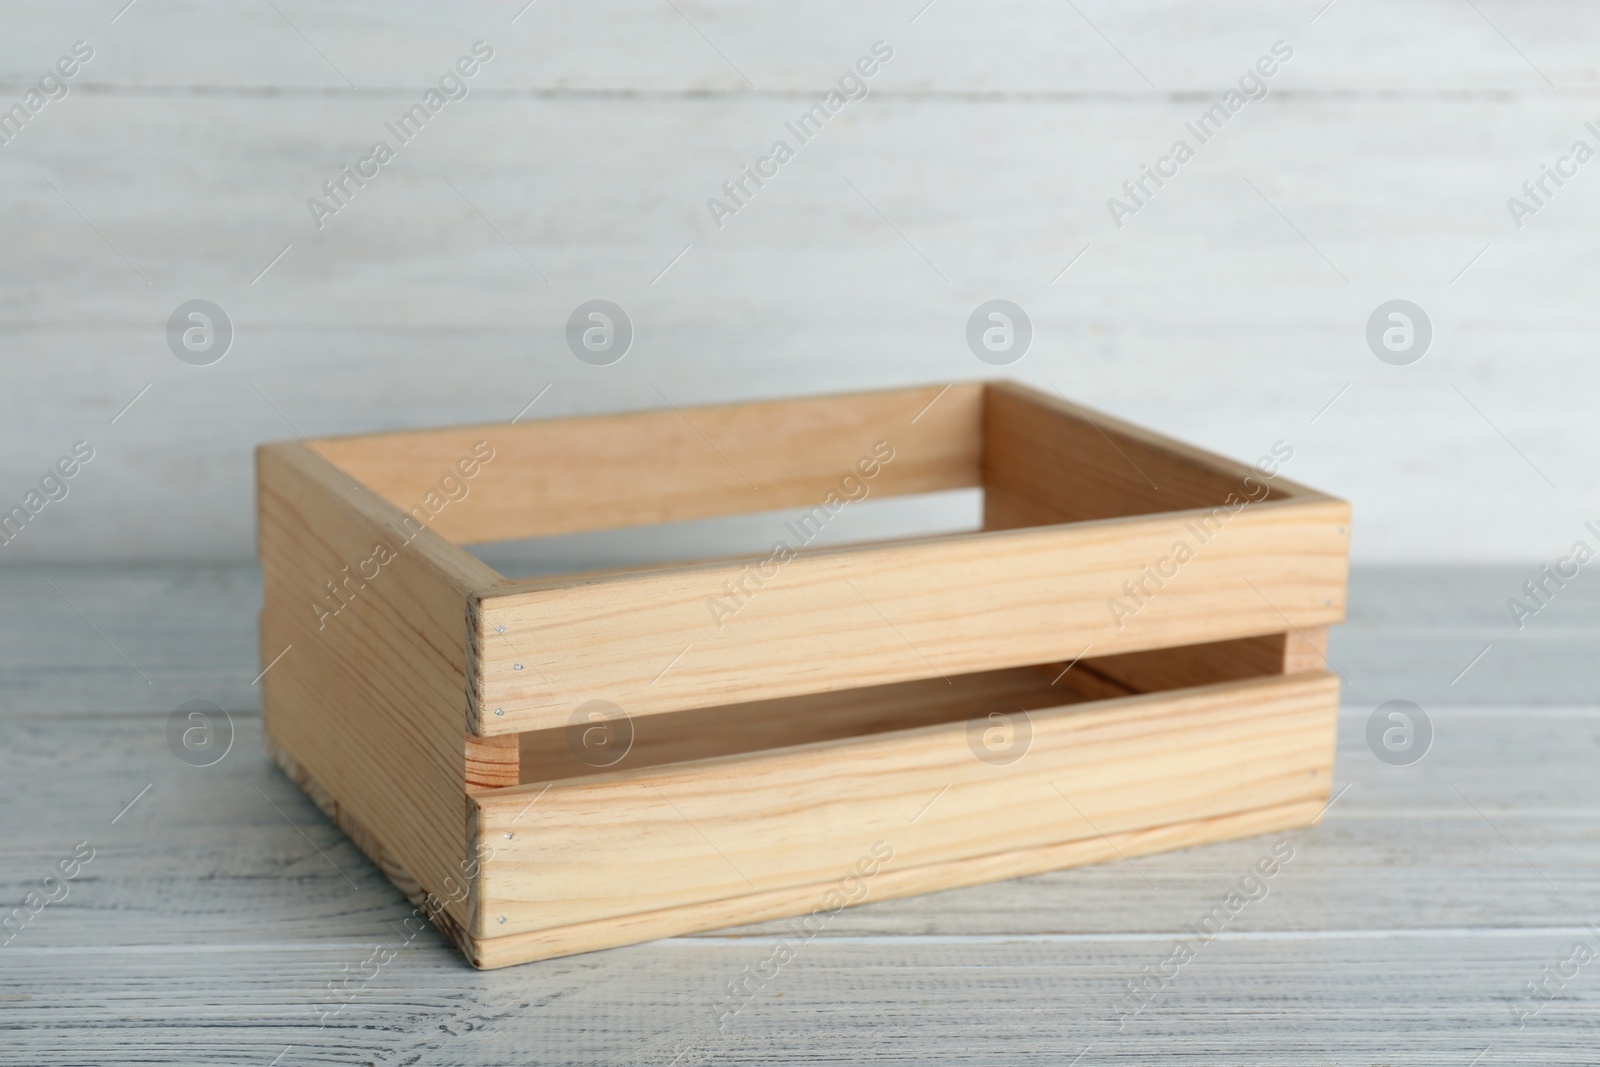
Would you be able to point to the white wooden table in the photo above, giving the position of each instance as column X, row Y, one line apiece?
column 219, row 904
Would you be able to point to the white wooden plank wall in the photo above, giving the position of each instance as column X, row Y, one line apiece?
column 1230, row 310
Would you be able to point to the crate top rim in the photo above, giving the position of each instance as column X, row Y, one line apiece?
column 1096, row 417
column 511, row 587
column 1291, row 494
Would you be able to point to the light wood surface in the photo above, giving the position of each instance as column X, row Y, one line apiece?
column 701, row 733
column 1075, row 555
column 1298, row 650
column 1147, row 768
column 566, row 883
column 1049, row 459
column 557, row 476
column 809, row 906
column 217, row 908
column 897, row 612
column 369, row 701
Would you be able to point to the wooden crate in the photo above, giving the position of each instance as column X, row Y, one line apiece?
column 1127, row 658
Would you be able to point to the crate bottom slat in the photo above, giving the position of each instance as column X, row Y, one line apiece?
column 1299, row 796
column 890, row 884
column 887, row 885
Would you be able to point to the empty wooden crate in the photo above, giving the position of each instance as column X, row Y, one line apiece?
column 1126, row 658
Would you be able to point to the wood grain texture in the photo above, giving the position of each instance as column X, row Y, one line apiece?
column 809, row 906
column 800, row 819
column 605, row 744
column 369, row 701
column 370, row 844
column 860, row 757
column 897, row 612
column 558, row 476
column 1248, row 657
column 1047, row 459
column 376, row 771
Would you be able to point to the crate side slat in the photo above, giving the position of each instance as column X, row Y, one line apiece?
column 603, row 745
column 1223, row 661
column 566, row 475
column 735, row 825
column 369, row 700
column 834, row 619
column 1051, row 460
column 816, row 904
